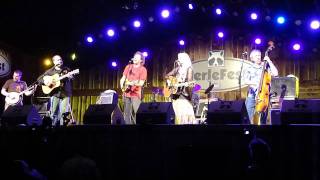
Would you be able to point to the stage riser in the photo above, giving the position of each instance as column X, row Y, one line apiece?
column 168, row 151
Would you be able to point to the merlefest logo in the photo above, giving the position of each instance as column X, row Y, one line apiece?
column 5, row 65
column 219, row 70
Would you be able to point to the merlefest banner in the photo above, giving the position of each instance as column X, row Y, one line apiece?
column 221, row 71
column 5, row 65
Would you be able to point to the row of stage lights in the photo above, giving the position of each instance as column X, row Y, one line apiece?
column 166, row 13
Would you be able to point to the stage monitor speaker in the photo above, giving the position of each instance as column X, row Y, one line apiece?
column 284, row 88
column 227, row 112
column 26, row 115
column 155, row 113
column 300, row 111
column 103, row 114
column 275, row 117
column 108, row 97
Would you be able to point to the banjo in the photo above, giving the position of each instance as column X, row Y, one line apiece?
column 16, row 97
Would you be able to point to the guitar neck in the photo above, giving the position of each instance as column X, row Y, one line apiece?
column 28, row 89
column 184, row 84
column 66, row 75
column 62, row 77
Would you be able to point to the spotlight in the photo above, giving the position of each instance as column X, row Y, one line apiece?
column 73, row 56
column 136, row 23
column 177, row 9
column 220, row 34
column 281, row 20
column 114, row 64
column 235, row 13
column 145, row 54
column 257, row 41
column 190, row 6
column 298, row 22
column 123, row 28
column 218, row 11
column 150, row 19
column 254, row 16
column 89, row 39
column 165, row 13
column 267, row 18
column 315, row 24
column 181, row 42
column 296, row 46
column 47, row 62
column 110, row 32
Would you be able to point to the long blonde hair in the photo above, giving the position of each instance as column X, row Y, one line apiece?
column 186, row 63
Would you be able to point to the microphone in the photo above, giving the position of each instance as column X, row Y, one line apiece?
column 131, row 61
column 245, row 53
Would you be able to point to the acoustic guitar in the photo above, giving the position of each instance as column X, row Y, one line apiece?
column 174, row 87
column 54, row 81
column 129, row 86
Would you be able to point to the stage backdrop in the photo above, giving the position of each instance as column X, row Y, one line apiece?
column 91, row 82
column 96, row 77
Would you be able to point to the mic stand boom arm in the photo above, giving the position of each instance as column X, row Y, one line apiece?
column 240, row 75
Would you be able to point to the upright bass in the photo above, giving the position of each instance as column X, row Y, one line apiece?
column 263, row 91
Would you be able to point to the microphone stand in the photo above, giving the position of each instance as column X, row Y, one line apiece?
column 208, row 95
column 240, row 74
column 208, row 92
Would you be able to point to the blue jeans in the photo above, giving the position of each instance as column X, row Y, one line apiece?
column 58, row 106
column 251, row 105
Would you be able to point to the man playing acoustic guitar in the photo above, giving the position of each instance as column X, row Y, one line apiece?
column 14, row 89
column 133, row 78
column 60, row 95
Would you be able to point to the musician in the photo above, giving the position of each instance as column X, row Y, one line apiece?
column 15, row 85
column 131, row 82
column 181, row 100
column 60, row 96
column 252, row 78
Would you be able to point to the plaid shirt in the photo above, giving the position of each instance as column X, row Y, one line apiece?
column 252, row 76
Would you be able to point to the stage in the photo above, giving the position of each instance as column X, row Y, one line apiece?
column 171, row 151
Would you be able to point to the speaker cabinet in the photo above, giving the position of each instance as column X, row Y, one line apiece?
column 275, row 116
column 103, row 114
column 284, row 87
column 155, row 113
column 108, row 97
column 227, row 112
column 300, row 111
column 26, row 115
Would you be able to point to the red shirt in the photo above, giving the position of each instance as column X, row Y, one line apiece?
column 133, row 74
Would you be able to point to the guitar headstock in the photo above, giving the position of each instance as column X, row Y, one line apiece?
column 76, row 71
